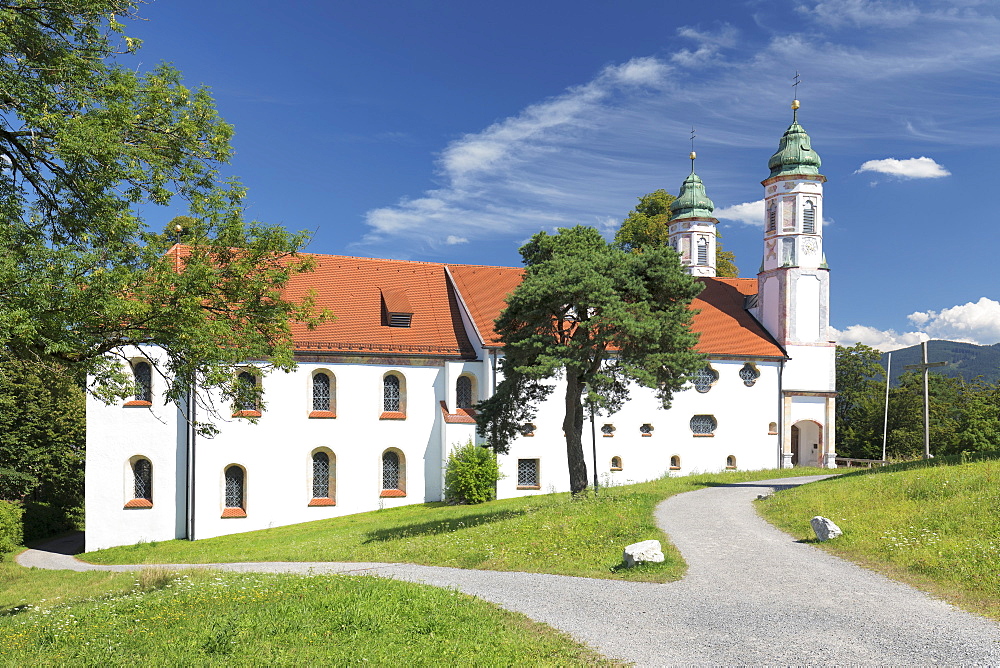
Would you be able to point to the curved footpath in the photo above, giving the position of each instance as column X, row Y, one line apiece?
column 752, row 595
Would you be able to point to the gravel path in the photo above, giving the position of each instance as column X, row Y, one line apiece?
column 752, row 595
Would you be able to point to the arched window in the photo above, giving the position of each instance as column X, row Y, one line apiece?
column 393, row 473
column 235, row 492
column 703, row 424
column 391, row 394
column 143, row 381
column 143, row 473
column 323, row 479
column 731, row 462
column 142, row 484
column 675, row 462
column 704, row 378
column 463, row 392
column 321, row 392
column 772, row 428
column 616, row 463
column 772, row 215
column 246, row 393
column 703, row 251
column 788, row 252
column 749, row 374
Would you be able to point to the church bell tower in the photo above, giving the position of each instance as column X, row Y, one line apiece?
column 793, row 297
column 692, row 227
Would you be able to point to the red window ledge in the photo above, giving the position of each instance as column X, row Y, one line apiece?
column 675, row 468
column 529, row 486
column 322, row 502
column 250, row 414
column 234, row 512
column 139, row 503
column 138, row 404
column 322, row 415
column 646, row 435
column 703, row 435
column 392, row 415
column 392, row 492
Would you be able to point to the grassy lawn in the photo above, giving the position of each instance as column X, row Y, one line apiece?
column 552, row 533
column 209, row 618
column 935, row 526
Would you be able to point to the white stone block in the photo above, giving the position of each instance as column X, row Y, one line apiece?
column 825, row 529
column 643, row 551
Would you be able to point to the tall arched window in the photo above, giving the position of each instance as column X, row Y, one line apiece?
column 235, row 492
column 322, row 479
column 809, row 217
column 703, row 251
column 390, row 394
column 321, row 392
column 463, row 392
column 393, row 473
column 142, row 471
column 143, row 381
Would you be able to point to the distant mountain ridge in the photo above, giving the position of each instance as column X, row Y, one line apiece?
column 967, row 360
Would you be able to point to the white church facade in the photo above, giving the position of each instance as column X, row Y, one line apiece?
column 384, row 392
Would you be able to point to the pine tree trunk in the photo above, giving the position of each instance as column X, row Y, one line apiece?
column 573, row 428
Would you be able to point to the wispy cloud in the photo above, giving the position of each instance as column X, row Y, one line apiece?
column 910, row 168
column 882, row 339
column 583, row 155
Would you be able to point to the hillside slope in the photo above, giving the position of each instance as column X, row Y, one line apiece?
column 967, row 360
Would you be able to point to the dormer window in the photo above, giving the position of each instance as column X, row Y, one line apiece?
column 396, row 309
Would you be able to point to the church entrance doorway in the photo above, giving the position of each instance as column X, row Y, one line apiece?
column 806, row 438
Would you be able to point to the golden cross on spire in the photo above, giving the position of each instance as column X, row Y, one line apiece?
column 693, row 154
column 795, row 95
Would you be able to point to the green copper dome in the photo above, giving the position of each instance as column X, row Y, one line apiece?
column 795, row 154
column 692, row 202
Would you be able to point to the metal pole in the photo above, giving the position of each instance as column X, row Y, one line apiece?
column 593, row 442
column 885, row 423
column 927, row 403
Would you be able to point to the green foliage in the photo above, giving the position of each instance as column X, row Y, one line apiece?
column 471, row 474
column 580, row 535
column 932, row 523
column 648, row 225
column 599, row 317
column 11, row 534
column 42, row 439
column 87, row 145
column 205, row 618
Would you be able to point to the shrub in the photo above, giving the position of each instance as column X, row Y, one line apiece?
column 43, row 520
column 471, row 474
column 11, row 533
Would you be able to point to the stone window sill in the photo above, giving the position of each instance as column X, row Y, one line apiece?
column 386, row 493
column 616, row 469
column 233, row 512
column 646, row 435
column 703, row 435
column 675, row 468
column 324, row 501
column 139, row 503
column 246, row 414
column 392, row 415
column 529, row 486
column 322, row 415
column 138, row 404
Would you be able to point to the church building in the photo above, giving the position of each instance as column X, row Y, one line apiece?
column 384, row 392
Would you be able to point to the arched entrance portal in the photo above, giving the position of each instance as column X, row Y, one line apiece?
column 807, row 436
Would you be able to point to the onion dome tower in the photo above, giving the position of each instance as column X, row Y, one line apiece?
column 692, row 227
column 793, row 296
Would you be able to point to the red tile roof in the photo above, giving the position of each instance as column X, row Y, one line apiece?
column 352, row 289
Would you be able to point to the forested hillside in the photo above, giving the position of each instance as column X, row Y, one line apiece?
column 966, row 360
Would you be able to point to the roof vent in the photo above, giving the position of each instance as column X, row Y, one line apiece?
column 396, row 309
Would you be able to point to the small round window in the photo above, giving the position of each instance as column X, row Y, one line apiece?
column 704, row 378
column 749, row 374
column 703, row 424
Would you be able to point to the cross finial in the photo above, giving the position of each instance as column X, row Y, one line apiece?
column 795, row 96
column 693, row 154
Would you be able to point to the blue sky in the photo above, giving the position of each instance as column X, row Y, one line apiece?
column 453, row 130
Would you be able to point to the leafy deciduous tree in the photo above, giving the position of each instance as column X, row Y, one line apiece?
column 86, row 145
column 598, row 317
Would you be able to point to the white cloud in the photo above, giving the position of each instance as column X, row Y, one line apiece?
column 910, row 168
column 451, row 240
column 709, row 45
column 882, row 339
column 748, row 213
column 862, row 13
column 974, row 322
